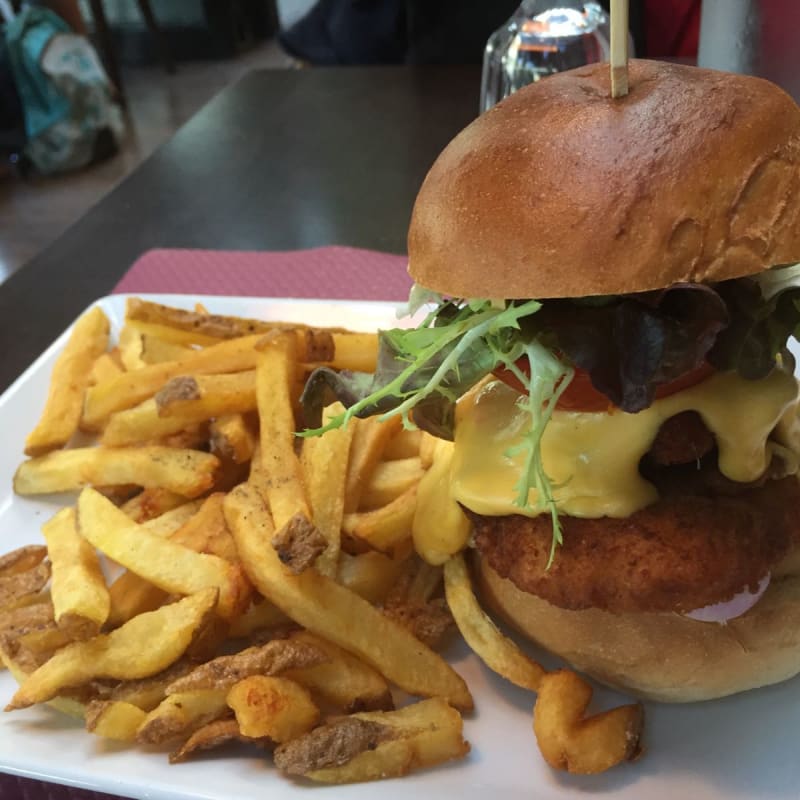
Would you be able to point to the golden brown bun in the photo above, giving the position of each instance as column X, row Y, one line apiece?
column 560, row 191
column 664, row 657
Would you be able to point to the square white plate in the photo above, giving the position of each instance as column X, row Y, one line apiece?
column 741, row 747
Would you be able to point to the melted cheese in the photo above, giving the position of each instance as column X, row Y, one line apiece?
column 592, row 459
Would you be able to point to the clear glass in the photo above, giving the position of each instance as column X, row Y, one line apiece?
column 542, row 37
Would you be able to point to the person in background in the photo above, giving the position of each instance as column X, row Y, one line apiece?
column 455, row 31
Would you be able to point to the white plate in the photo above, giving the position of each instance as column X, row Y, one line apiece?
column 742, row 747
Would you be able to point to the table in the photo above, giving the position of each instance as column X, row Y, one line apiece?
column 284, row 159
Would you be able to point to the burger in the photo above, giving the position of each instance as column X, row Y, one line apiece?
column 611, row 287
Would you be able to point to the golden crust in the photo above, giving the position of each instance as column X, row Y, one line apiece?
column 560, row 191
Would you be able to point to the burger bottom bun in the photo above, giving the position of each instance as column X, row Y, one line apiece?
column 664, row 657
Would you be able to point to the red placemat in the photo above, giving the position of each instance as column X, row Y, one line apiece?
column 336, row 273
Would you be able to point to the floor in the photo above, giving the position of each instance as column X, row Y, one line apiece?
column 34, row 212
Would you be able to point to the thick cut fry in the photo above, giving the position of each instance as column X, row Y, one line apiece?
column 130, row 348
column 152, row 503
column 283, row 484
column 200, row 526
column 273, row 708
column 180, row 715
column 168, row 632
column 334, row 612
column 355, row 351
column 22, row 589
column 129, row 389
column 369, row 441
column 272, row 658
column 404, row 444
column 579, row 744
column 42, row 643
column 21, row 560
column 232, row 438
column 69, row 381
column 165, row 333
column 384, row 528
column 114, row 719
column 78, row 588
column 183, row 402
column 498, row 652
column 147, row 693
column 370, row 575
column 210, row 736
column 379, row 744
column 324, row 460
column 156, row 350
column 185, row 472
column 389, row 480
column 342, row 681
column 103, row 369
column 163, row 562
column 16, row 623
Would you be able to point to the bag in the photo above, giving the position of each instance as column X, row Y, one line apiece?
column 65, row 93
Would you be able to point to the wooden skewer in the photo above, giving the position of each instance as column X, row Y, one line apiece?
column 619, row 48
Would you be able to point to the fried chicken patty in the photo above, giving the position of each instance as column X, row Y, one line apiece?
column 678, row 554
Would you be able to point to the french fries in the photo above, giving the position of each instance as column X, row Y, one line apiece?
column 332, row 611
column 185, row 472
column 80, row 596
column 168, row 632
column 257, row 580
column 583, row 745
column 378, row 744
column 498, row 652
column 272, row 708
column 62, row 412
column 164, row 563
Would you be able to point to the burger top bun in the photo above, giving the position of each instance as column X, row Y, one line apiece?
column 562, row 191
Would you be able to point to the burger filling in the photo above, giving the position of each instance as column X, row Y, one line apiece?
column 559, row 407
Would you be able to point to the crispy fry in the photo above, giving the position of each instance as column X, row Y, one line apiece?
column 377, row 744
column 584, row 745
column 324, row 461
column 187, row 339
column 147, row 693
column 213, row 735
column 404, row 444
column 163, row 562
column 185, row 472
column 78, row 588
column 129, row 344
column 21, row 560
column 369, row 441
column 272, row 658
column 355, row 351
column 389, row 480
column 332, row 611
column 103, row 369
column 182, row 402
column 45, row 640
column 370, row 575
column 151, row 503
column 384, row 528
column 19, row 621
column 498, row 652
column 181, row 715
column 70, row 378
column 232, row 438
column 114, row 719
column 283, row 484
column 298, row 544
column 129, row 389
column 343, row 681
column 156, row 350
column 273, row 708
column 22, row 589
column 168, row 632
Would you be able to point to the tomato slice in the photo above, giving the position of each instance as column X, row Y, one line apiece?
column 581, row 395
